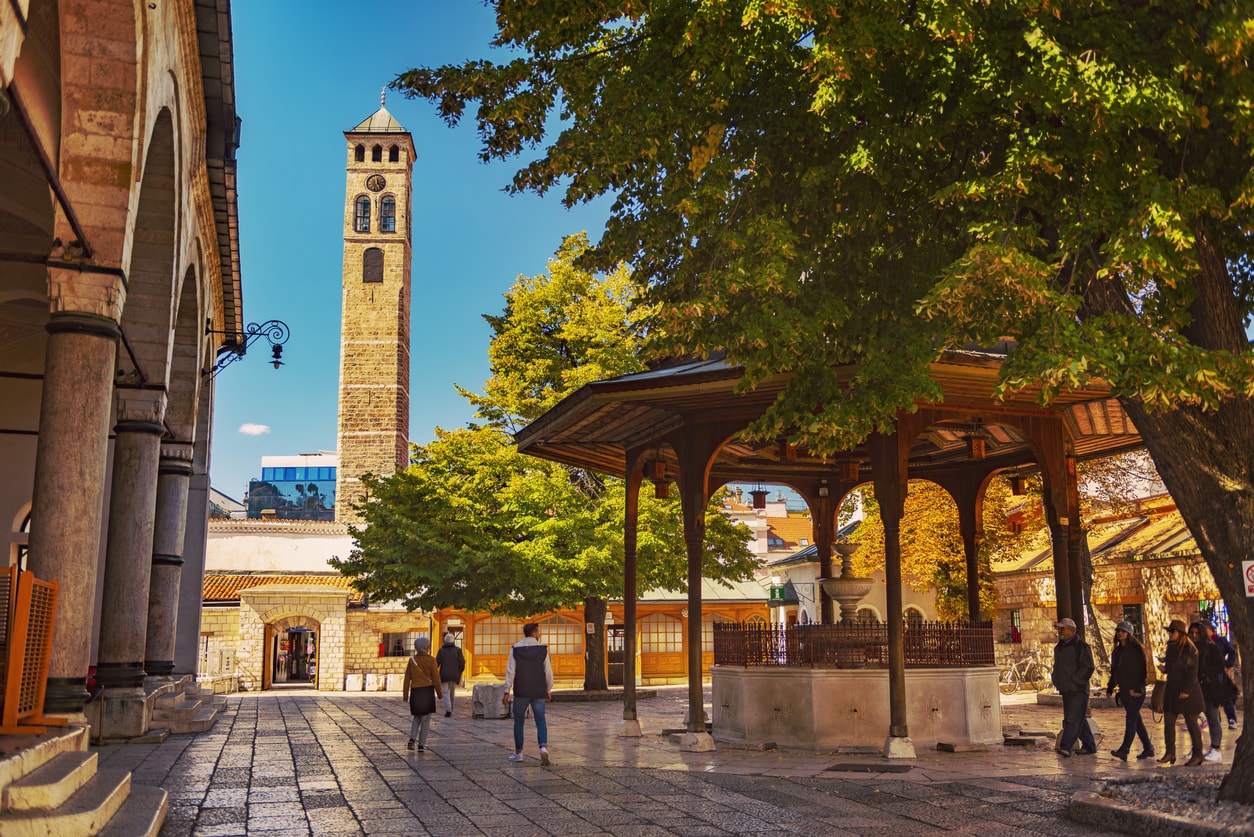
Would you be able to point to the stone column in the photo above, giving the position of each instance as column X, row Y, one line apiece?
column 191, row 578
column 70, row 472
column 123, row 712
column 170, row 525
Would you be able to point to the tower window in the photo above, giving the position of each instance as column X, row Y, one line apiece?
column 394, row 154
column 361, row 223
column 376, row 154
column 372, row 265
column 359, row 153
column 387, row 214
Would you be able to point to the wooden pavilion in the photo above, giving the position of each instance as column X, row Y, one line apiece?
column 686, row 421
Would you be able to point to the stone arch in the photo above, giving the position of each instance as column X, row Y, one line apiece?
column 186, row 359
column 147, row 317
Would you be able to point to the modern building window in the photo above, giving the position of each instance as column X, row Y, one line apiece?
column 661, row 634
column 394, row 154
column 361, row 221
column 496, row 635
column 400, row 645
column 561, row 635
column 359, row 153
column 387, row 214
column 376, row 154
column 372, row 265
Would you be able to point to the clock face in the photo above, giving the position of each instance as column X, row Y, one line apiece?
column 376, row 183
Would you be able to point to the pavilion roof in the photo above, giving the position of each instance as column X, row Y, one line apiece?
column 596, row 425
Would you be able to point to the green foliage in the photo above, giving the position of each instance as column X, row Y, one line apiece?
column 807, row 184
column 475, row 525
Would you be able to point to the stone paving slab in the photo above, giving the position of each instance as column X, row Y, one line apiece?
column 316, row 763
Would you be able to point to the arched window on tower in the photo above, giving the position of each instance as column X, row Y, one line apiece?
column 387, row 214
column 359, row 153
column 376, row 154
column 372, row 265
column 394, row 154
column 361, row 220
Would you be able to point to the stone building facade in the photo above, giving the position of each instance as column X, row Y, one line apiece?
column 374, row 326
column 1147, row 570
column 119, row 282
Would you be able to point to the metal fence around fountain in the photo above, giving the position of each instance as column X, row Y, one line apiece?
column 862, row 644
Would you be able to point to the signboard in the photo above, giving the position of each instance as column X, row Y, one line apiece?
column 590, row 627
column 1247, row 572
column 777, row 594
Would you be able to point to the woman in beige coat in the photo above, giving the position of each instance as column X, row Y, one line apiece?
column 420, row 688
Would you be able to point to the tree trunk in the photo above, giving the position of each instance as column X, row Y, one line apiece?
column 594, row 655
column 1204, row 459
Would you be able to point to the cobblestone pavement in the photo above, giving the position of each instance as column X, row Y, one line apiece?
column 303, row 762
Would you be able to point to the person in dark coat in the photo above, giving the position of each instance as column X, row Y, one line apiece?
column 452, row 663
column 1230, row 662
column 1073, row 667
column 1128, row 673
column 1183, row 695
column 1210, row 675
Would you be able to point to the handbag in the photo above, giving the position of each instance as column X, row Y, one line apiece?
column 422, row 700
column 1158, row 697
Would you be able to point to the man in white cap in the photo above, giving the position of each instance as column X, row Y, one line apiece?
column 452, row 663
column 1073, row 666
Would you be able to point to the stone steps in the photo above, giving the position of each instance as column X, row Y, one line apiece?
column 53, row 786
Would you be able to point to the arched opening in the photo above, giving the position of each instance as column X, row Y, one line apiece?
column 387, row 214
column 394, row 154
column 376, row 154
column 361, row 215
column 372, row 265
column 291, row 652
column 359, row 154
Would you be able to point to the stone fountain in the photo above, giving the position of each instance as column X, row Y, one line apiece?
column 846, row 589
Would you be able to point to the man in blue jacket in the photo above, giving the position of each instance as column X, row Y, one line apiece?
column 1230, row 662
column 529, row 673
column 1073, row 666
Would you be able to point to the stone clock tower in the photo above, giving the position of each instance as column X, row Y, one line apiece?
column 374, row 332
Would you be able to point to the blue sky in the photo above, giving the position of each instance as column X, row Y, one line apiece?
column 305, row 73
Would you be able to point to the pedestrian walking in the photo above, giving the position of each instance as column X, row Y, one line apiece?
column 1130, row 670
column 1183, row 695
column 420, row 687
column 1073, row 667
column 529, row 673
column 1230, row 690
column 452, row 663
column 1210, row 675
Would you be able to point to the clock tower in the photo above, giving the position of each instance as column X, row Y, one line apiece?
column 373, row 434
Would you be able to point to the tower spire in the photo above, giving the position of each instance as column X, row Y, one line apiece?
column 383, row 97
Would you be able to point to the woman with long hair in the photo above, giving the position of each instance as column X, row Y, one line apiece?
column 1129, row 671
column 1183, row 695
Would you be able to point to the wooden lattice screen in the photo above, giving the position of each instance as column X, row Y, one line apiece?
column 26, row 622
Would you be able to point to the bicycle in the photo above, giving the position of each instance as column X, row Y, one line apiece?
column 1029, row 670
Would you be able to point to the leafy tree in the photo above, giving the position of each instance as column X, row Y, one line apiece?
column 473, row 524
column 807, row 184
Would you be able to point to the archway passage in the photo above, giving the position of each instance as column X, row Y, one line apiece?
column 292, row 646
column 687, row 423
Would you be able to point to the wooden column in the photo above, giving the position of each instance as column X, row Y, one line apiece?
column 696, row 447
column 1049, row 439
column 889, row 457
column 630, row 727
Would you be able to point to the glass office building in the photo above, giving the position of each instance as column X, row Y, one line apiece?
column 298, row 487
